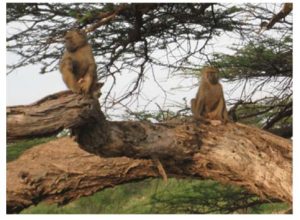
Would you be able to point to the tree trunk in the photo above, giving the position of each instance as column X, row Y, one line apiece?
column 59, row 171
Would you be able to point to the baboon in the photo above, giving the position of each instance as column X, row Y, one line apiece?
column 209, row 102
column 77, row 65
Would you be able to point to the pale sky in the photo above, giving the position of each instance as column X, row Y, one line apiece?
column 26, row 85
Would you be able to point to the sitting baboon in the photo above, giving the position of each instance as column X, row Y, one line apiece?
column 77, row 65
column 209, row 102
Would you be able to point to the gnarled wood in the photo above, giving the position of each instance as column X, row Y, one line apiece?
column 51, row 114
column 60, row 171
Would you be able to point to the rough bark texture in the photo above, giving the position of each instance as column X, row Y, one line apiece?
column 60, row 171
column 51, row 114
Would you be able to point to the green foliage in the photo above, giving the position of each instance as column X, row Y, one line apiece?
column 16, row 11
column 152, row 196
column 73, row 13
column 83, row 17
column 257, row 113
column 108, row 7
column 14, row 150
column 267, row 57
column 233, row 10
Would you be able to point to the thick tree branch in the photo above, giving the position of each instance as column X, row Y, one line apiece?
column 50, row 115
column 59, row 171
column 286, row 9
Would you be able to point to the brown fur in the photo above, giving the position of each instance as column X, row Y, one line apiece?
column 77, row 65
column 209, row 101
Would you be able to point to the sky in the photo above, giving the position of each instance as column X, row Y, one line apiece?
column 26, row 85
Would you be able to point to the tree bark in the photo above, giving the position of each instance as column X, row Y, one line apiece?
column 50, row 115
column 59, row 171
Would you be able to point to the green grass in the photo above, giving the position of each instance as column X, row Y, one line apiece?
column 14, row 150
column 152, row 196
column 132, row 197
column 271, row 208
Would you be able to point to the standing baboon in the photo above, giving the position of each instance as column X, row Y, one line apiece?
column 77, row 65
column 209, row 101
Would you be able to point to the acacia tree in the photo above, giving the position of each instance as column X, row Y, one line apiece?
column 127, row 42
column 127, row 38
column 267, row 63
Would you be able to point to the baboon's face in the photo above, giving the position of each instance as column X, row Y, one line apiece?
column 211, row 74
column 74, row 39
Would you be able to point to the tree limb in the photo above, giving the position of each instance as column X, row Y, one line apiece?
column 59, row 171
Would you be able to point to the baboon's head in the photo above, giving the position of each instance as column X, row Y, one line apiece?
column 74, row 39
column 211, row 74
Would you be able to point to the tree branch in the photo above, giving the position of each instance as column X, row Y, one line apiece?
column 59, row 171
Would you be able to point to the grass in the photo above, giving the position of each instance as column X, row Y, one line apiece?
column 152, row 196
column 14, row 150
column 128, row 198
